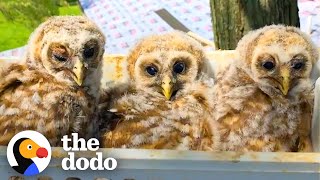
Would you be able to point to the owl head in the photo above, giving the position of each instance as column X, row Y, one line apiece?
column 279, row 58
column 69, row 48
column 165, row 63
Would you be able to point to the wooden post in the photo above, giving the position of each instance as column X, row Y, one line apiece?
column 231, row 19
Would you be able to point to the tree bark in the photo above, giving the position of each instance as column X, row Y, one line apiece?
column 231, row 19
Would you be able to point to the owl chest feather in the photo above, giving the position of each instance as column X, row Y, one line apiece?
column 251, row 120
column 261, row 125
column 152, row 122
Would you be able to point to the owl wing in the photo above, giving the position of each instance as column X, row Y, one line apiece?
column 238, row 107
column 9, row 81
column 135, row 113
column 112, row 92
column 230, row 95
column 32, row 100
column 235, row 113
column 9, row 77
column 304, row 140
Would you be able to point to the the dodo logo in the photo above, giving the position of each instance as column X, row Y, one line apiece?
column 29, row 153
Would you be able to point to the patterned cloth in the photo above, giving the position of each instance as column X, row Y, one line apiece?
column 310, row 9
column 125, row 22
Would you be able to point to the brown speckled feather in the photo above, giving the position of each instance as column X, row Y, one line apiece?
column 150, row 122
column 304, row 143
column 33, row 100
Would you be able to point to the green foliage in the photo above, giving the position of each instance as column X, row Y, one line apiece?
column 70, row 10
column 28, row 12
column 72, row 1
column 12, row 34
column 18, row 18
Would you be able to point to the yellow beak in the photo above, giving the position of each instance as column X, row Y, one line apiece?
column 78, row 70
column 167, row 87
column 285, row 74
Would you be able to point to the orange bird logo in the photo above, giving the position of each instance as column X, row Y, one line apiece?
column 24, row 150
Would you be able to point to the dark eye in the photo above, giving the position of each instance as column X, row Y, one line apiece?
column 59, row 57
column 88, row 53
column 151, row 70
column 29, row 147
column 297, row 65
column 269, row 65
column 179, row 67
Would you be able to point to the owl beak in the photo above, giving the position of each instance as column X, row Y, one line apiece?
column 285, row 74
column 167, row 87
column 78, row 70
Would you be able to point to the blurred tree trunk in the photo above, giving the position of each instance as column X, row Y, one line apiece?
column 231, row 19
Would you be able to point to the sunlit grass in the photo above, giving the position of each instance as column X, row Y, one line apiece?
column 70, row 10
column 14, row 34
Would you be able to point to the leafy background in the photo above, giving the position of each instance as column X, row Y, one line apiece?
column 19, row 18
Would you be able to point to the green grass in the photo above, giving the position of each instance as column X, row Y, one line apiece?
column 14, row 34
column 70, row 10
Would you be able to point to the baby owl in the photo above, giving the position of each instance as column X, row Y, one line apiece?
column 166, row 106
column 55, row 90
column 263, row 102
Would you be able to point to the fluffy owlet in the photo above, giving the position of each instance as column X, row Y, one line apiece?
column 166, row 105
column 55, row 90
column 263, row 102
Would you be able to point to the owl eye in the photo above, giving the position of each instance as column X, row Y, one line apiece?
column 179, row 67
column 88, row 53
column 29, row 147
column 297, row 64
column 58, row 52
column 151, row 70
column 268, row 65
column 59, row 57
